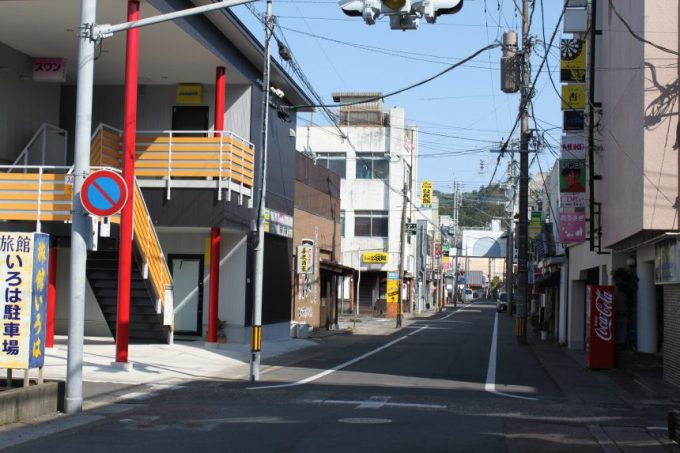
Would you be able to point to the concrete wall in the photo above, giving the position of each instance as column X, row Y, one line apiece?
column 155, row 104
column 24, row 104
column 95, row 324
column 232, row 270
column 580, row 260
column 638, row 125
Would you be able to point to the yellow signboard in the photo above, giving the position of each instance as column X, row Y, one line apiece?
column 392, row 291
column 374, row 257
column 573, row 97
column 572, row 60
column 23, row 299
column 189, row 93
column 535, row 224
column 426, row 194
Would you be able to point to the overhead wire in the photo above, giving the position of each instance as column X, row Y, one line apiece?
column 412, row 86
column 524, row 102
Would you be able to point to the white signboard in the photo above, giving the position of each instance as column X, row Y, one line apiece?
column 573, row 146
column 49, row 70
column 305, row 257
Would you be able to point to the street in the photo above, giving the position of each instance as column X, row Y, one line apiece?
column 455, row 381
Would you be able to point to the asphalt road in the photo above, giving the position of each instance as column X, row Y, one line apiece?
column 456, row 381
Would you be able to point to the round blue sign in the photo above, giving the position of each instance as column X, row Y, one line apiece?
column 104, row 193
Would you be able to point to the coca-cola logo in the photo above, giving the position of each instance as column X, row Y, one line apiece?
column 604, row 306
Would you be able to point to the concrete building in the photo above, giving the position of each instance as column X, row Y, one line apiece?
column 196, row 189
column 633, row 184
column 375, row 153
column 318, row 277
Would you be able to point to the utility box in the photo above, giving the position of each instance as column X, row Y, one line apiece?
column 510, row 64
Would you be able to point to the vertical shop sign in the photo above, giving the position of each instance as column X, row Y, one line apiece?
column 23, row 300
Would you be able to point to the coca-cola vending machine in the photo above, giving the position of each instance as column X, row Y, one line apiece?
column 600, row 322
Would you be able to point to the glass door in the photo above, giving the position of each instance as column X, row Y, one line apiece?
column 187, row 275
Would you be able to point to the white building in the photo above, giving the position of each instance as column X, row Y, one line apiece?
column 375, row 154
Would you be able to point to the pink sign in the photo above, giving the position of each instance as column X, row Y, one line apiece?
column 572, row 227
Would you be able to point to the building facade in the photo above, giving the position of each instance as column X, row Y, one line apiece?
column 631, row 188
column 375, row 153
column 197, row 139
column 319, row 279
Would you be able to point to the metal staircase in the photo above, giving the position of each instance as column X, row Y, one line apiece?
column 146, row 325
column 31, row 191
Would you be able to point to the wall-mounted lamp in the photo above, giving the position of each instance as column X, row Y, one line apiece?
column 630, row 261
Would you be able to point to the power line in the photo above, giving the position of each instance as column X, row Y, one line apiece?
column 414, row 85
column 524, row 102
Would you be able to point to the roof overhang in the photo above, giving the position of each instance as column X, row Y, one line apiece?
column 167, row 54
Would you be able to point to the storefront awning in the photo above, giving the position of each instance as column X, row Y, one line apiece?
column 336, row 268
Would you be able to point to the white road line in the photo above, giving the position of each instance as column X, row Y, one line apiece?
column 361, row 404
column 490, row 385
column 339, row 367
column 374, row 402
column 451, row 314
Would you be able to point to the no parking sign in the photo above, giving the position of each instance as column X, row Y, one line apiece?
column 104, row 193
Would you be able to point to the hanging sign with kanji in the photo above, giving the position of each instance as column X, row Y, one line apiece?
column 23, row 299
column 305, row 257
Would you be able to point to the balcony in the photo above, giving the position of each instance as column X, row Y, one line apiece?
column 183, row 159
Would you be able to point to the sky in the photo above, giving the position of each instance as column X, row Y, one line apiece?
column 462, row 115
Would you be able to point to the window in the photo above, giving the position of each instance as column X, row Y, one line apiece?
column 370, row 223
column 342, row 223
column 373, row 166
column 335, row 162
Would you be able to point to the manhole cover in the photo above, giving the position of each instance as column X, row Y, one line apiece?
column 365, row 421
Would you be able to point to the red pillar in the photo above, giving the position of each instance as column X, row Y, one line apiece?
column 214, row 283
column 213, row 297
column 220, row 90
column 129, row 131
column 51, row 296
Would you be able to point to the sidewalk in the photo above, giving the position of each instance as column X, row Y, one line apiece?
column 645, row 394
column 163, row 364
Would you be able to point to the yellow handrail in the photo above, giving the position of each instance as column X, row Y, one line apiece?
column 149, row 246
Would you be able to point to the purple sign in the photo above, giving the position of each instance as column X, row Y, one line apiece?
column 572, row 227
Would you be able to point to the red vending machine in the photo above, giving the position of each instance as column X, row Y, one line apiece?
column 600, row 322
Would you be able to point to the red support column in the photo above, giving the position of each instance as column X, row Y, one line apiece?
column 214, row 284
column 220, row 94
column 129, row 131
column 51, row 296
column 213, row 297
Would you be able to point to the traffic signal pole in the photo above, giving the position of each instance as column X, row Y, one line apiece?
column 89, row 33
column 256, row 335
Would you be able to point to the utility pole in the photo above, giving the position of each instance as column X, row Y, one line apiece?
column 256, row 336
column 522, row 296
column 402, row 246
column 455, row 243
column 510, row 243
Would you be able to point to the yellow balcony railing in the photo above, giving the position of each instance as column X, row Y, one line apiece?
column 174, row 156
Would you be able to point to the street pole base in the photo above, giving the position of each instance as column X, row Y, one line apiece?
column 399, row 320
column 521, row 330
column 125, row 366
